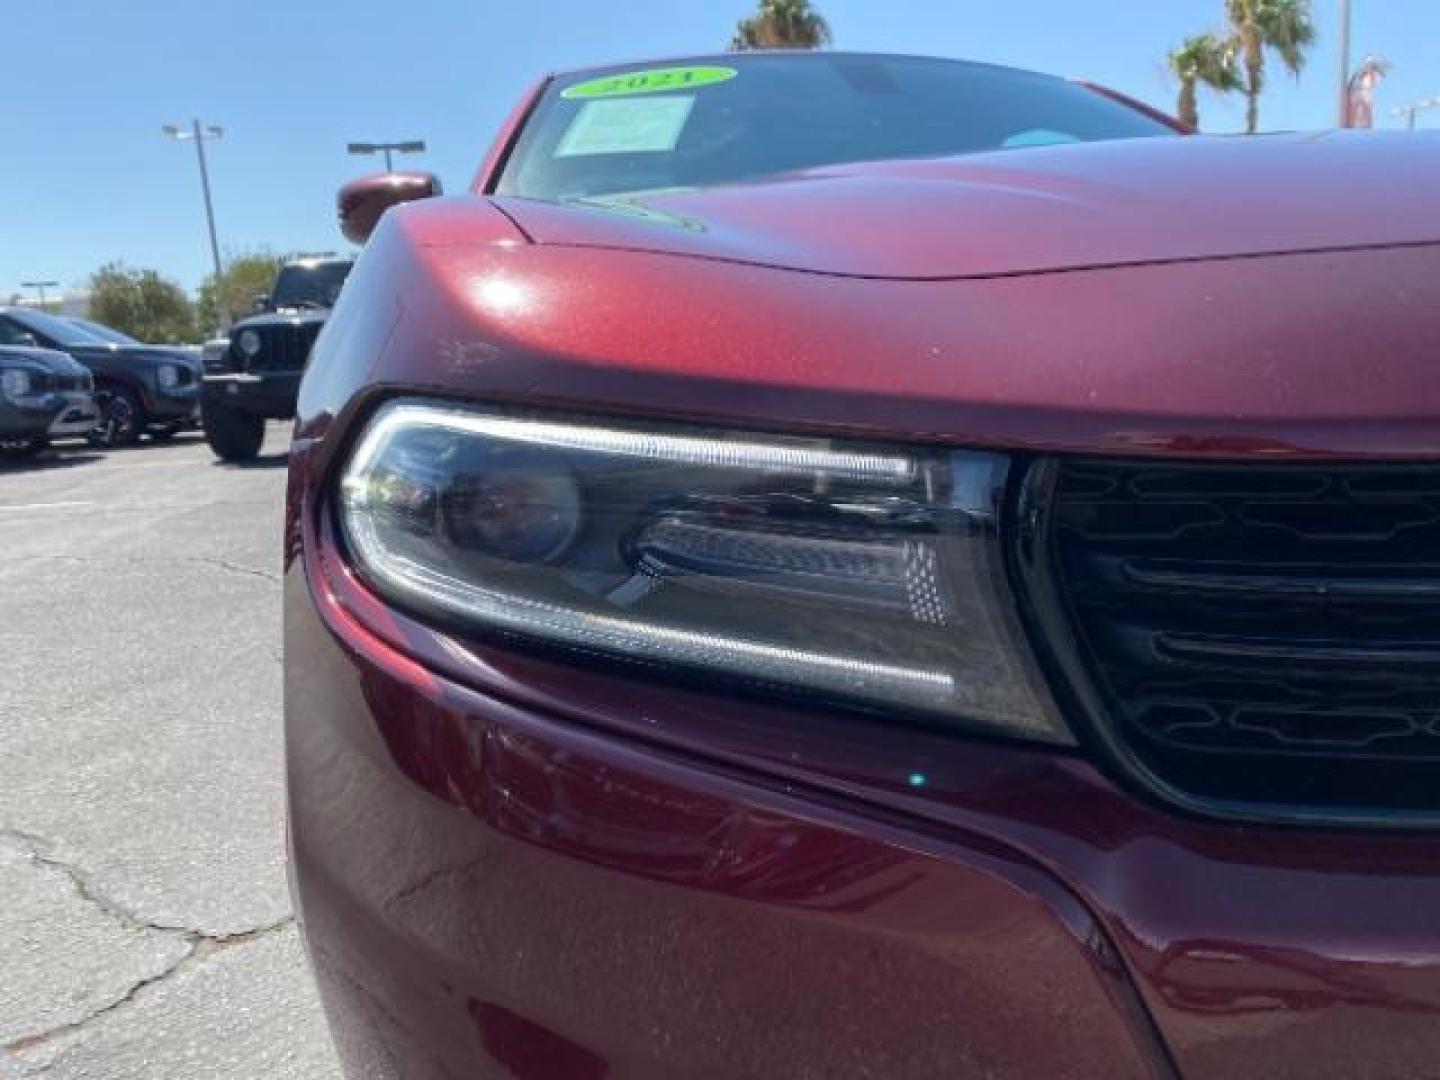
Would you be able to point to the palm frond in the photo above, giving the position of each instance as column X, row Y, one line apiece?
column 1288, row 28
column 782, row 24
column 1209, row 59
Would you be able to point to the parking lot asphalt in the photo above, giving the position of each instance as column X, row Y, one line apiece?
column 145, row 928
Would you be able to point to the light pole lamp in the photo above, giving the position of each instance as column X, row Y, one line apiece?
column 1409, row 111
column 412, row 146
column 40, row 287
column 199, row 135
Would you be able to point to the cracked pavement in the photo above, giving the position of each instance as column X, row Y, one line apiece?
column 146, row 929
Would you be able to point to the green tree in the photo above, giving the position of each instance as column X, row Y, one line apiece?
column 244, row 278
column 1203, row 60
column 782, row 24
column 1284, row 27
column 142, row 304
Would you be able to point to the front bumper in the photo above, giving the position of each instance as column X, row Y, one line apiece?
column 499, row 876
column 485, row 892
column 48, row 415
column 77, row 416
column 178, row 405
column 270, row 394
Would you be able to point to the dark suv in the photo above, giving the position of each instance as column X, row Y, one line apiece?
column 257, row 376
column 139, row 388
column 43, row 393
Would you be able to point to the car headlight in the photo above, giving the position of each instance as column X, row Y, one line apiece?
column 249, row 342
column 14, row 383
column 870, row 575
column 168, row 376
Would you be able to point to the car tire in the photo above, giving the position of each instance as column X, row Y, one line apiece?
column 121, row 418
column 22, row 449
column 232, row 434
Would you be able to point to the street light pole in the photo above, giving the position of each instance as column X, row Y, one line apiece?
column 1412, row 110
column 198, row 136
column 412, row 146
column 1344, row 63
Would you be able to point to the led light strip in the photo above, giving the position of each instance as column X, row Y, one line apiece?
column 772, row 458
column 881, row 683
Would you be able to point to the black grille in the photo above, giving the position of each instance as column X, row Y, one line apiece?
column 1260, row 634
column 44, row 382
column 283, row 347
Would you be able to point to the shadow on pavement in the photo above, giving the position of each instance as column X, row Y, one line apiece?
column 264, row 461
column 49, row 461
column 70, row 452
column 149, row 442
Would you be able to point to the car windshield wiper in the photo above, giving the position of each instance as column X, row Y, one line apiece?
column 305, row 303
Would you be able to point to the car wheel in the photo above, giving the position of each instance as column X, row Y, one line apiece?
column 21, row 449
column 232, row 434
column 120, row 418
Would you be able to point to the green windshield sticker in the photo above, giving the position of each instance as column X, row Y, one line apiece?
column 638, row 126
column 648, row 82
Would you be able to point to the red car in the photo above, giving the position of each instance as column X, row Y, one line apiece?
column 864, row 566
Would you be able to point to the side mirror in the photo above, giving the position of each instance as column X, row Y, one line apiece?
column 260, row 303
column 361, row 202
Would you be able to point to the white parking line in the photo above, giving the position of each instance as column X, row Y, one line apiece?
column 23, row 507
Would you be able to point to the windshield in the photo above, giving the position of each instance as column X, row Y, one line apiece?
column 737, row 117
column 61, row 331
column 310, row 284
column 104, row 333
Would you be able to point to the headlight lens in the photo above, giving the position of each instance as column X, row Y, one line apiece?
column 168, row 376
column 249, row 342
column 14, row 383
column 866, row 574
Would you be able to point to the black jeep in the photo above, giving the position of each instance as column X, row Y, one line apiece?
column 257, row 375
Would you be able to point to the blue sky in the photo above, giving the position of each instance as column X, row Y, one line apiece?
column 88, row 177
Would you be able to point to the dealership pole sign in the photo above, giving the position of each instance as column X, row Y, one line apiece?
column 1360, row 95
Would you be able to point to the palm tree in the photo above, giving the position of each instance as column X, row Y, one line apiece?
column 782, row 24
column 1282, row 26
column 1203, row 59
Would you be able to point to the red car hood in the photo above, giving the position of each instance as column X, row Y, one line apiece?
column 1035, row 210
